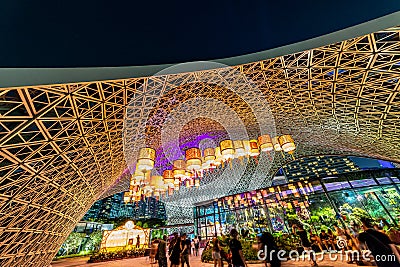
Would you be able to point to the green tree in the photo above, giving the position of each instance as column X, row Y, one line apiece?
column 72, row 243
column 94, row 241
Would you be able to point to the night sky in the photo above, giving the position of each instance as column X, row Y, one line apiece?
column 122, row 33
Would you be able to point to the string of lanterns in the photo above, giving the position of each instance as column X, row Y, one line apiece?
column 190, row 171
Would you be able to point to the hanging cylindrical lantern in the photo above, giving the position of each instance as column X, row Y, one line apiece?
column 168, row 176
column 239, row 148
column 147, row 179
column 138, row 175
column 197, row 182
column 156, row 182
column 177, row 185
column 227, row 150
column 164, row 192
column 265, row 143
column 134, row 182
column 205, row 164
column 188, row 174
column 157, row 195
column 287, row 143
column 127, row 197
column 171, row 190
column 133, row 189
column 179, row 169
column 254, row 152
column 146, row 159
column 275, row 142
column 138, row 196
column 209, row 156
column 148, row 190
column 193, row 159
column 247, row 148
column 218, row 156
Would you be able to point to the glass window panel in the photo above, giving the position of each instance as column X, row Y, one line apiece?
column 333, row 186
column 384, row 180
column 363, row 183
column 396, row 180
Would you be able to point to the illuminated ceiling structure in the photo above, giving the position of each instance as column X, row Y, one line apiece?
column 62, row 145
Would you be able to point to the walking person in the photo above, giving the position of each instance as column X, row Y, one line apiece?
column 237, row 251
column 175, row 250
column 268, row 245
column 326, row 240
column 341, row 236
column 192, row 247
column 196, row 242
column 138, row 241
column 216, row 252
column 185, row 245
column 379, row 244
column 305, row 242
column 153, row 251
column 162, row 252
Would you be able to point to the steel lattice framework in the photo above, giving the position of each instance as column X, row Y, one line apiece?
column 62, row 148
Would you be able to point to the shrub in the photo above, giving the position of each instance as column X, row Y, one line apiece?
column 206, row 256
column 249, row 253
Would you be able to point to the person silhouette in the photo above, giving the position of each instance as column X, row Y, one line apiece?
column 137, row 241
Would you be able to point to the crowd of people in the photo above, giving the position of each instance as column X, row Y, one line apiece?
column 356, row 237
column 177, row 249
column 234, row 257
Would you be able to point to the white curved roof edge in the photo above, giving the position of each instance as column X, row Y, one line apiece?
column 16, row 77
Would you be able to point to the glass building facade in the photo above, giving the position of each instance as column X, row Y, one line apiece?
column 318, row 203
column 113, row 207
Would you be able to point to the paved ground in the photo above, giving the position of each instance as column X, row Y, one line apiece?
column 194, row 262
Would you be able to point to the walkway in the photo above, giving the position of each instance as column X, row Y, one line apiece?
column 194, row 262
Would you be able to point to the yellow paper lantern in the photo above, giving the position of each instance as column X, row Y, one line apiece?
column 168, row 176
column 247, row 148
column 146, row 159
column 157, row 182
column 209, row 156
column 287, row 143
column 170, row 190
column 193, row 159
column 138, row 175
column 205, row 165
column 218, row 156
column 254, row 152
column 179, row 169
column 276, row 144
column 239, row 148
column 265, row 143
column 227, row 150
column 197, row 182
column 127, row 197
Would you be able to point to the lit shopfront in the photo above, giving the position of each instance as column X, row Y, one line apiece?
column 318, row 204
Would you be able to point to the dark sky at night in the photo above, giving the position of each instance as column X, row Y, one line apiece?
column 121, row 33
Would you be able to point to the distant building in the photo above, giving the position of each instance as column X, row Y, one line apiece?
column 89, row 227
column 319, row 166
column 113, row 207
